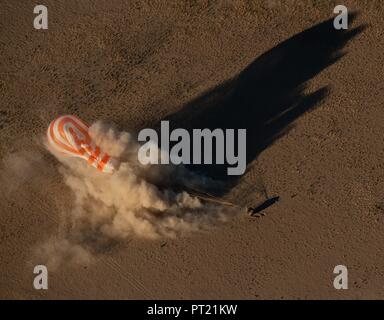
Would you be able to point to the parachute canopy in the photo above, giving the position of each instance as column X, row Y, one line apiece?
column 69, row 135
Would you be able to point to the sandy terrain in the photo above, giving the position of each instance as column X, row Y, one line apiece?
column 310, row 97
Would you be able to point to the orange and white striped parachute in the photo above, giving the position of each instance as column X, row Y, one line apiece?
column 68, row 134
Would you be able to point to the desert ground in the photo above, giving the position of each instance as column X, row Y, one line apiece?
column 311, row 98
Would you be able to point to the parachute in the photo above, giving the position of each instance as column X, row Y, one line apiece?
column 69, row 135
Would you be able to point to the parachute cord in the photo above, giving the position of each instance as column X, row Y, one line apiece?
column 264, row 188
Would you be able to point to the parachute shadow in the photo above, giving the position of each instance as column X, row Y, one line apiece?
column 268, row 95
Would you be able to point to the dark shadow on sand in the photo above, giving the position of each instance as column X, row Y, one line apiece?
column 269, row 95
